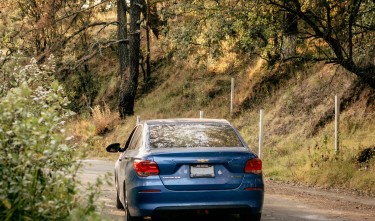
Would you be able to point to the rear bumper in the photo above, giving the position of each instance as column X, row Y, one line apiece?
column 194, row 202
column 202, row 210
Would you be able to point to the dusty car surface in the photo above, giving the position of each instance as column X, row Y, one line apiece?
column 187, row 166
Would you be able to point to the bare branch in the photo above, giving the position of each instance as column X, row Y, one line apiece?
column 366, row 28
column 88, row 57
column 77, row 12
column 104, row 24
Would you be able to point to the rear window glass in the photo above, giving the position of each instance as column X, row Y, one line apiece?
column 193, row 135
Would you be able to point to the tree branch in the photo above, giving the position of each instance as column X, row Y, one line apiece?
column 354, row 8
column 88, row 57
column 104, row 24
column 76, row 12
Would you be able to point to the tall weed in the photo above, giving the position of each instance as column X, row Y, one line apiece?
column 103, row 119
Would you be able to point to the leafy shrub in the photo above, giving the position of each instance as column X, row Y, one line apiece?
column 38, row 166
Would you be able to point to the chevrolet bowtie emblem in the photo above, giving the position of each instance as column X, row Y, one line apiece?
column 202, row 160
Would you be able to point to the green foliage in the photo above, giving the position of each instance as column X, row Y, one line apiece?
column 197, row 24
column 71, row 30
column 255, row 26
column 38, row 165
column 204, row 25
column 81, row 89
column 336, row 31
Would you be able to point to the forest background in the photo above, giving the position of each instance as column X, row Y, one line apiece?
column 109, row 61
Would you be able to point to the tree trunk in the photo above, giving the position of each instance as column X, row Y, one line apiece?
column 289, row 45
column 129, row 83
column 122, row 35
column 366, row 74
column 149, row 11
column 289, row 42
column 148, row 64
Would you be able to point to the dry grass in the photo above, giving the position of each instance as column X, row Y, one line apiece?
column 94, row 133
column 104, row 119
column 82, row 130
column 293, row 152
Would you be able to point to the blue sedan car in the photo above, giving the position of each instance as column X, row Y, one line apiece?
column 187, row 166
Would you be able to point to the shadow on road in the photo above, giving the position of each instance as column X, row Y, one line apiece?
column 201, row 218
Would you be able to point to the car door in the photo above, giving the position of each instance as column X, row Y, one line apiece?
column 126, row 159
column 120, row 169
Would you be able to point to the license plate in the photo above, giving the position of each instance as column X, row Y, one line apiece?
column 202, row 170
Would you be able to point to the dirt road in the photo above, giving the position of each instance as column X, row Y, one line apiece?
column 282, row 201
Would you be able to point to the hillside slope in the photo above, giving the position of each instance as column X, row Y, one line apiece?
column 298, row 99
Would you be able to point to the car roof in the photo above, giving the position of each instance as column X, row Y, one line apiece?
column 184, row 120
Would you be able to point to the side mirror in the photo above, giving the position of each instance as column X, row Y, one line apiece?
column 113, row 148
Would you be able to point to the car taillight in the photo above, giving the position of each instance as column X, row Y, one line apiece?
column 254, row 166
column 145, row 168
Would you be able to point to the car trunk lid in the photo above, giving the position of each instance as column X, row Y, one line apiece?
column 201, row 169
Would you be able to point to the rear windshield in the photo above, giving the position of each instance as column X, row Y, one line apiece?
column 193, row 135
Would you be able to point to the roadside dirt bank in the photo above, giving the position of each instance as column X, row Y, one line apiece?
column 349, row 204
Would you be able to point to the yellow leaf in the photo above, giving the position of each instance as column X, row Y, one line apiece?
column 7, row 204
